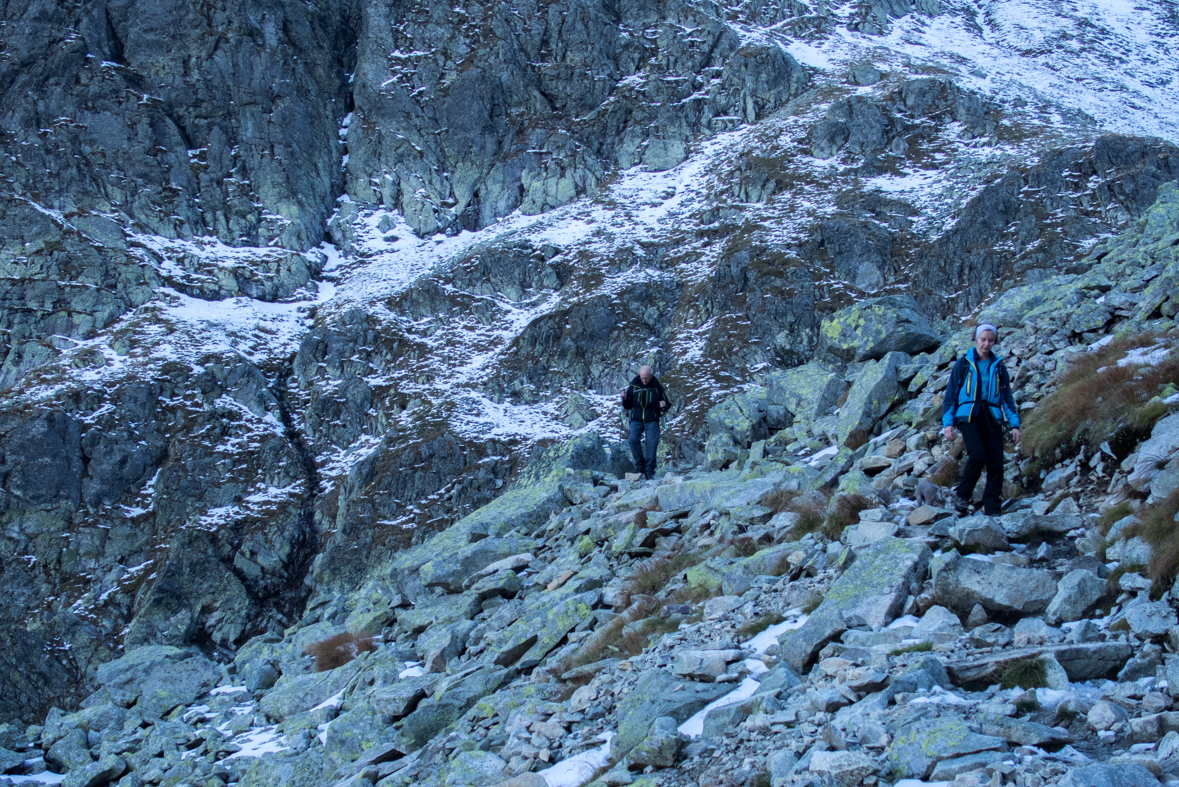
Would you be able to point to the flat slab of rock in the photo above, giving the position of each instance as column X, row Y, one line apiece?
column 704, row 665
column 845, row 768
column 1106, row 775
column 659, row 693
column 963, row 582
column 1024, row 733
column 917, row 749
column 872, row 591
column 1081, row 661
column 1021, row 524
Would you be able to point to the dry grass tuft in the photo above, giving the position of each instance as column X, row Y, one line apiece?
column 1113, row 515
column 1027, row 673
column 1157, row 526
column 842, row 511
column 1098, row 401
column 650, row 576
column 338, row 649
column 778, row 500
column 812, row 511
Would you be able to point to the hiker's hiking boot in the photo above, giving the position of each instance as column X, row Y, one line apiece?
column 960, row 506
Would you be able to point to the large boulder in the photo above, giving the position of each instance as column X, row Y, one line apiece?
column 961, row 583
column 872, row 329
column 1077, row 592
column 871, row 592
column 157, row 678
column 871, row 396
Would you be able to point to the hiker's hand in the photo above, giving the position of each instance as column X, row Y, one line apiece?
column 622, row 395
column 948, row 433
column 662, row 404
column 1015, row 435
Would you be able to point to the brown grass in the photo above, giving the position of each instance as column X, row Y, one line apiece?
column 1026, row 673
column 1158, row 527
column 812, row 510
column 338, row 649
column 650, row 576
column 1097, row 400
column 778, row 500
column 608, row 641
column 842, row 511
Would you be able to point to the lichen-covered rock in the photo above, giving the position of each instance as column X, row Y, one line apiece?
column 285, row 769
column 452, row 698
column 871, row 396
column 659, row 693
column 96, row 774
column 871, row 329
column 157, row 678
column 661, row 746
column 872, row 592
column 915, row 751
column 845, row 768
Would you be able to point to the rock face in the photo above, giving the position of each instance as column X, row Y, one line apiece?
column 634, row 99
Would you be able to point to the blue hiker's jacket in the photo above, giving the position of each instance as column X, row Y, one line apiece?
column 975, row 383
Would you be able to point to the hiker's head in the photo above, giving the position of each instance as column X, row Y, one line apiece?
column 646, row 374
column 985, row 337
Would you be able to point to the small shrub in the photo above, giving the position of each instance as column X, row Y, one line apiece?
column 1027, row 703
column 743, row 546
column 1066, row 714
column 1097, row 401
column 916, row 647
column 756, row 626
column 1027, row 673
column 338, row 649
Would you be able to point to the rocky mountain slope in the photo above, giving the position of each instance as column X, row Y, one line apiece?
column 789, row 616
column 290, row 289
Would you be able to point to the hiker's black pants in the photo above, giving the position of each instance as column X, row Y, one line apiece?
column 644, row 456
column 984, row 447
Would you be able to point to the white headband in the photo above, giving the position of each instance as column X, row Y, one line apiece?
column 986, row 326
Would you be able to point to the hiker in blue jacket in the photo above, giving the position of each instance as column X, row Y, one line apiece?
column 979, row 403
column 647, row 402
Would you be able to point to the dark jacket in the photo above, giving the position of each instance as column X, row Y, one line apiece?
column 969, row 389
column 643, row 400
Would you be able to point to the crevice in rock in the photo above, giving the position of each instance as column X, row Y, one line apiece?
column 305, row 541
